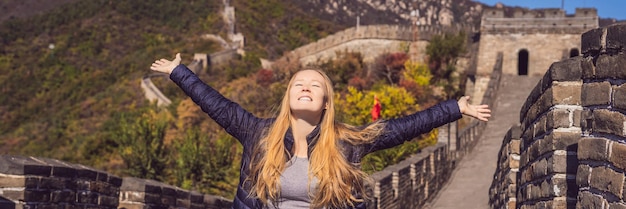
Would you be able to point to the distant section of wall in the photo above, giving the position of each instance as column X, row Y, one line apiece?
column 31, row 182
column 372, row 41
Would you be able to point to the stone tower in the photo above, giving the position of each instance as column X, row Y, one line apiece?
column 530, row 41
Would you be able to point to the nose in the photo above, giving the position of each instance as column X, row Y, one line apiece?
column 306, row 88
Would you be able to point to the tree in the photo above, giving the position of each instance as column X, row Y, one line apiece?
column 392, row 65
column 141, row 142
column 443, row 51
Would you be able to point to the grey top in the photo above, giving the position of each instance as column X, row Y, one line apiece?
column 295, row 190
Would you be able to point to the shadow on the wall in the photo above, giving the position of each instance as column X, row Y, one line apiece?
column 571, row 167
column 6, row 203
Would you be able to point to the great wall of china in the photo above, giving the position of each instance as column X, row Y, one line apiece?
column 568, row 150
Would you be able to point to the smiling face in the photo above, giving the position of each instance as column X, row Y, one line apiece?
column 307, row 93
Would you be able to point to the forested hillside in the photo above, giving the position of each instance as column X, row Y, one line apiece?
column 71, row 85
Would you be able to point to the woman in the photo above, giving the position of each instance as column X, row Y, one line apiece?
column 303, row 158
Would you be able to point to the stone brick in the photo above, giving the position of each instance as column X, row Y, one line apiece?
column 513, row 163
column 618, row 155
column 582, row 175
column 514, row 147
column 540, row 126
column 65, row 196
column 596, row 93
column 545, row 145
column 610, row 122
column 558, row 118
column 593, row 149
column 586, row 120
column 533, row 151
column 591, row 42
column 616, row 37
column 566, row 70
column 530, row 101
column 587, row 200
column 589, row 68
column 608, row 180
column 36, row 196
column 19, row 165
column 562, row 163
column 54, row 183
column 84, row 172
column 87, row 197
column 541, row 168
column 577, row 118
column 617, row 206
column 619, row 97
column 624, row 192
column 566, row 93
column 563, row 140
column 611, row 66
column 12, row 181
column 108, row 201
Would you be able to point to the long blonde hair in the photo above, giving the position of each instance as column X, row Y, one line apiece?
column 339, row 180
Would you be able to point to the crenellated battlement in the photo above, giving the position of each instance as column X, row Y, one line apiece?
column 552, row 21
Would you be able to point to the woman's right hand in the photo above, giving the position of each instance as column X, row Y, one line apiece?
column 166, row 66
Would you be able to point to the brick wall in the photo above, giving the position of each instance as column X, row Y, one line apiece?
column 503, row 190
column 573, row 132
column 602, row 148
column 372, row 41
column 30, row 182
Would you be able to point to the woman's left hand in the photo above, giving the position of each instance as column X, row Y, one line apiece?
column 480, row 112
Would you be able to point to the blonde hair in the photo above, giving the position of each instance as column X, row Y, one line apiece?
column 339, row 180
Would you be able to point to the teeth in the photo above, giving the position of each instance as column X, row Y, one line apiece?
column 305, row 99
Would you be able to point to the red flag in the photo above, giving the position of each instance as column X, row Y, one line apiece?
column 376, row 109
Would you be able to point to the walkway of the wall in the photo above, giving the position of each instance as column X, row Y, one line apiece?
column 570, row 149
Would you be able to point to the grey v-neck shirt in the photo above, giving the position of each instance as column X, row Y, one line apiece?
column 294, row 188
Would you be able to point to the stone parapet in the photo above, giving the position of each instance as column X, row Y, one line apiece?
column 601, row 175
column 551, row 21
column 412, row 182
column 31, row 182
column 503, row 190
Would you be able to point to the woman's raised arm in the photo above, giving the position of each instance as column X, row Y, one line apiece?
column 238, row 122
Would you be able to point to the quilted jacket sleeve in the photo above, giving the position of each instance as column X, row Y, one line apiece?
column 399, row 130
column 238, row 122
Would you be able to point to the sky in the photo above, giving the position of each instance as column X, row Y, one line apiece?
column 606, row 8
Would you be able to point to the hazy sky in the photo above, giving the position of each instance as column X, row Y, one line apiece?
column 606, row 8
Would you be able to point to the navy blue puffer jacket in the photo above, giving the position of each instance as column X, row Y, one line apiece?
column 247, row 128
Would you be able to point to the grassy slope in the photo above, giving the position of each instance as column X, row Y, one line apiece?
column 57, row 102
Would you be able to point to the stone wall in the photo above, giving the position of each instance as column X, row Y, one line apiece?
column 602, row 149
column 30, row 182
column 573, row 138
column 372, row 41
column 503, row 190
